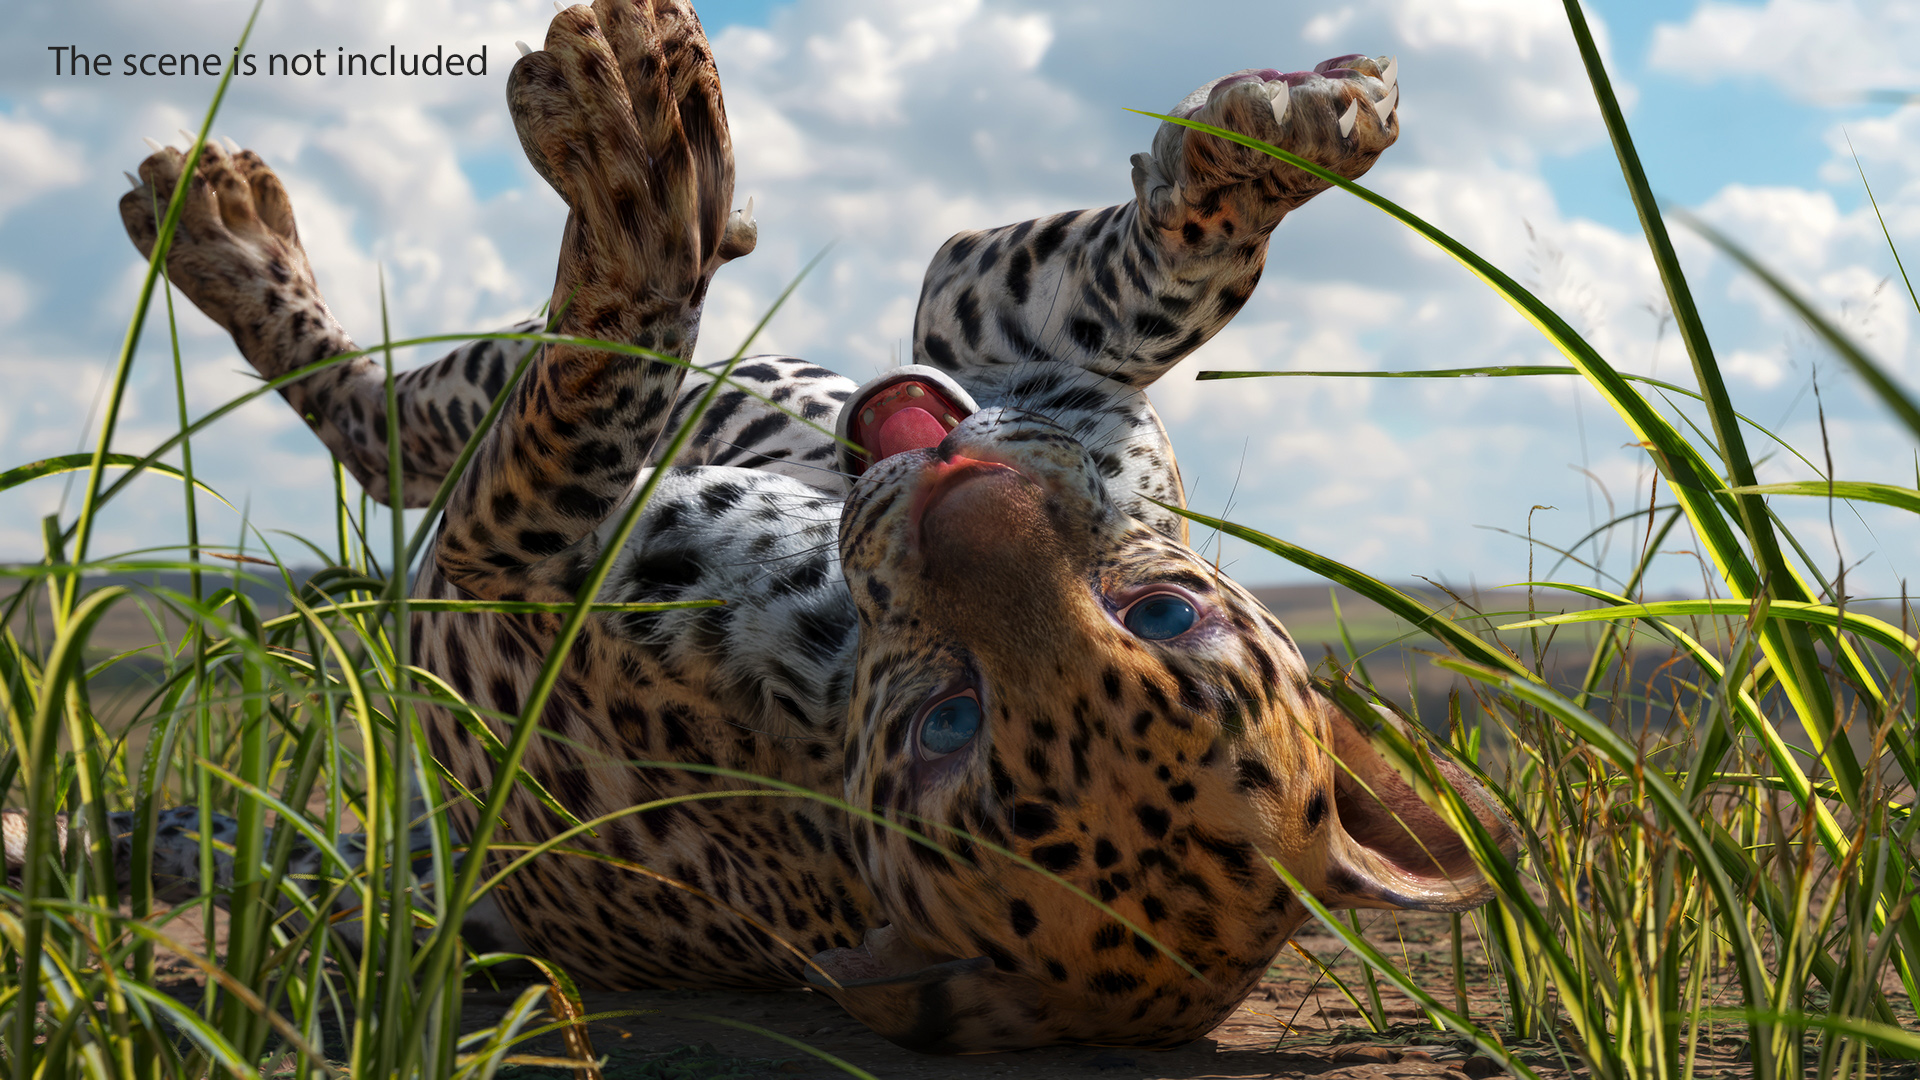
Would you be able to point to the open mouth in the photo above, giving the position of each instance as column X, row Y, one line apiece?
column 910, row 408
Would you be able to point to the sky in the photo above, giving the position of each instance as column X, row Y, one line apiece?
column 874, row 129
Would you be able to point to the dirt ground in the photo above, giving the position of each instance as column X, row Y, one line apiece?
column 1296, row 1024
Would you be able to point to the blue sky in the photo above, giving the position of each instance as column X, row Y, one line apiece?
column 1757, row 134
column 883, row 127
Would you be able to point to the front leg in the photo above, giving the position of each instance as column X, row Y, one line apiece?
column 1127, row 291
column 622, row 113
column 237, row 256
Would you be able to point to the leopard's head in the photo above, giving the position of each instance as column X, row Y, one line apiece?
column 1046, row 684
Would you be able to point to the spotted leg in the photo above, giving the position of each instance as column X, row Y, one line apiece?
column 238, row 257
column 176, row 870
column 1073, row 314
column 622, row 113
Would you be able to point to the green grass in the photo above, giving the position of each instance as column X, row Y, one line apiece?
column 1721, row 851
column 1731, row 848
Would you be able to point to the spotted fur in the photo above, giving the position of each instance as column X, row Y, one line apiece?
column 1156, row 777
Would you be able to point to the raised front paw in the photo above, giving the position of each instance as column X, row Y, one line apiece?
column 235, row 253
column 1340, row 116
column 622, row 113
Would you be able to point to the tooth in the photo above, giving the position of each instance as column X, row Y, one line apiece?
column 1347, row 118
column 915, row 392
column 522, row 46
column 867, row 417
column 949, row 421
column 1281, row 95
column 1391, row 76
column 1385, row 105
column 131, row 179
column 232, row 147
column 151, row 144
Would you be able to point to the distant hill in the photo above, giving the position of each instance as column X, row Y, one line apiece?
column 1395, row 656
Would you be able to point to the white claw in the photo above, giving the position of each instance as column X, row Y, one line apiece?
column 1391, row 76
column 743, row 218
column 232, row 147
column 187, row 135
column 522, row 46
column 1384, row 107
column 557, row 7
column 1347, row 118
column 1280, row 95
column 131, row 179
column 152, row 145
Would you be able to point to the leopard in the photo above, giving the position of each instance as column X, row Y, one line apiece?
column 1058, row 752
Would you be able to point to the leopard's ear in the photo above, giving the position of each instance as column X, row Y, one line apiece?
column 1389, row 848
column 935, row 1005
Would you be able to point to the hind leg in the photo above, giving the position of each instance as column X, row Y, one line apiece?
column 1125, row 292
column 621, row 111
column 1075, row 314
column 176, row 870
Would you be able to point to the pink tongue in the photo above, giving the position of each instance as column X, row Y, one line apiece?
column 908, row 429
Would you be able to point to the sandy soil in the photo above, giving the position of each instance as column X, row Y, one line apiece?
column 1296, row 1024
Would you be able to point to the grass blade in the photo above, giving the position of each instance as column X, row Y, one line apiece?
column 1890, row 393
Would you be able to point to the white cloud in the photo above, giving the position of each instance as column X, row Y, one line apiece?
column 1322, row 29
column 46, row 402
column 866, row 61
column 15, row 297
column 1809, row 48
column 1798, row 225
column 882, row 128
column 1763, row 369
column 33, row 162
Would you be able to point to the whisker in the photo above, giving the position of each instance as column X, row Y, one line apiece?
column 769, row 460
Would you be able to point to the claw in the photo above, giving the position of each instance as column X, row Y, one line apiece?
column 1384, row 107
column 152, row 145
column 232, row 147
column 188, row 135
column 557, row 7
column 741, row 234
column 1347, row 118
column 522, row 46
column 1391, row 75
column 1281, row 95
column 131, row 179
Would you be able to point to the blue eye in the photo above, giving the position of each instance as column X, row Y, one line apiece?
column 951, row 724
column 1159, row 617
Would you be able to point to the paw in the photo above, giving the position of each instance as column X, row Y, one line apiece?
column 13, row 839
column 1340, row 116
column 621, row 112
column 235, row 244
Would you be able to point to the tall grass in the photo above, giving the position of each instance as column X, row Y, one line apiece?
column 1746, row 864
column 1719, row 851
